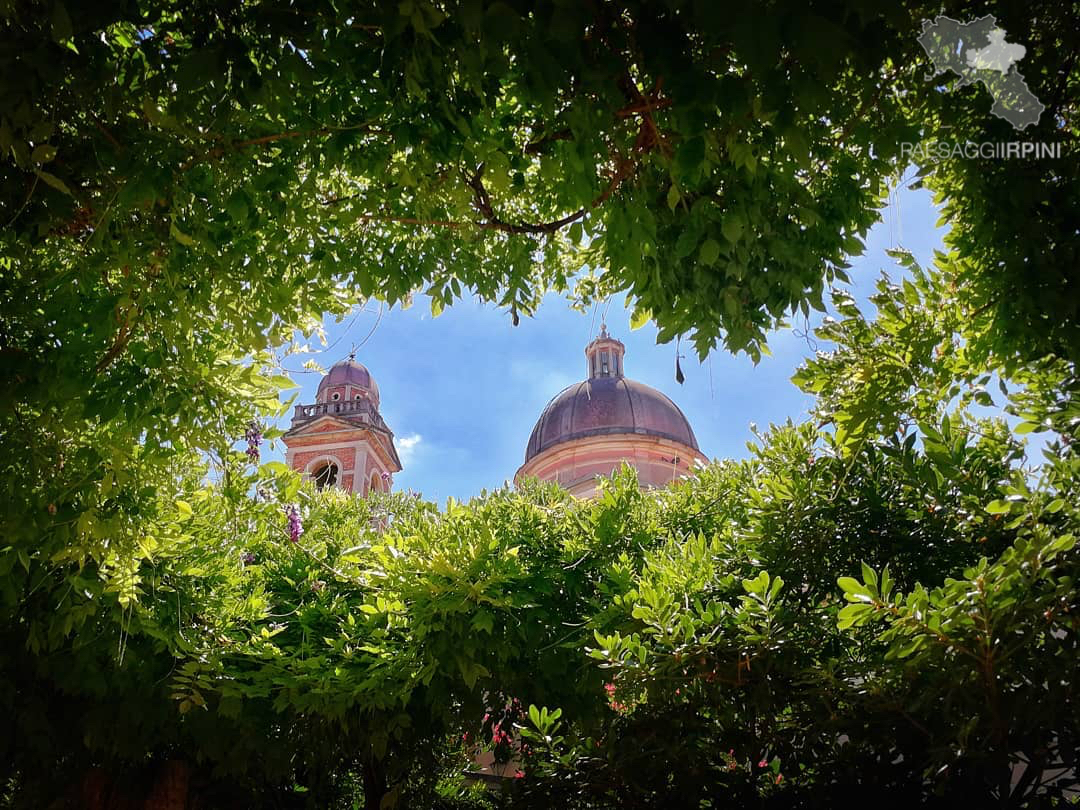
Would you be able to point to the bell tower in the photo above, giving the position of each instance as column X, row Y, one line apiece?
column 341, row 440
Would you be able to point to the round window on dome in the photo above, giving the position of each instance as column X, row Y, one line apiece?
column 335, row 396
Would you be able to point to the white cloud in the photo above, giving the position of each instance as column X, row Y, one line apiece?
column 407, row 447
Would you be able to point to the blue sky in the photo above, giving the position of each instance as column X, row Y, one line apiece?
column 462, row 391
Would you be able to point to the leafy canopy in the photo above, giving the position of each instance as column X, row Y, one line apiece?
column 184, row 186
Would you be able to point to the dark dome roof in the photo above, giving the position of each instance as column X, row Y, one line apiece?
column 604, row 405
column 349, row 372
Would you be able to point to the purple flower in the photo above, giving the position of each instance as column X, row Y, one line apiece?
column 248, row 558
column 254, row 438
column 296, row 527
column 386, row 478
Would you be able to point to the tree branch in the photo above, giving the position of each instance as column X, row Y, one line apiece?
column 127, row 330
column 225, row 146
column 648, row 138
column 108, row 135
column 536, row 147
column 624, row 169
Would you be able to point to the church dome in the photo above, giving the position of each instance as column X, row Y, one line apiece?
column 605, row 405
column 594, row 427
column 348, row 373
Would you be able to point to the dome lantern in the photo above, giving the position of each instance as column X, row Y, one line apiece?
column 604, row 356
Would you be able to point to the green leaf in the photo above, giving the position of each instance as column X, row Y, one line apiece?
column 1064, row 543
column 61, row 23
column 687, row 241
column 690, row 156
column 853, row 615
column 237, row 207
column 673, row 197
column 855, row 591
column 483, row 622
column 283, row 382
column 733, row 227
column 869, row 576
column 906, row 648
column 639, row 318
column 54, row 181
column 849, row 584
column 797, row 145
column 43, row 153
column 180, row 236
column 759, row 585
column 710, row 251
column 886, row 584
column 999, row 507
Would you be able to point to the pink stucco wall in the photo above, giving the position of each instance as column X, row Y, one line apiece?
column 576, row 464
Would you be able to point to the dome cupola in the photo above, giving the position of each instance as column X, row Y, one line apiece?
column 592, row 427
column 348, row 380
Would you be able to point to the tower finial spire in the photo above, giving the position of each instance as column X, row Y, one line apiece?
column 603, row 329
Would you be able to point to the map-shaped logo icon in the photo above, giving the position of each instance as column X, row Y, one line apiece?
column 977, row 51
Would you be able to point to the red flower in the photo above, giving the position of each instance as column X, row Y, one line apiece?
column 763, row 764
column 519, row 775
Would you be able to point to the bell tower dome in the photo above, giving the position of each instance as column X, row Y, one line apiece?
column 341, row 440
